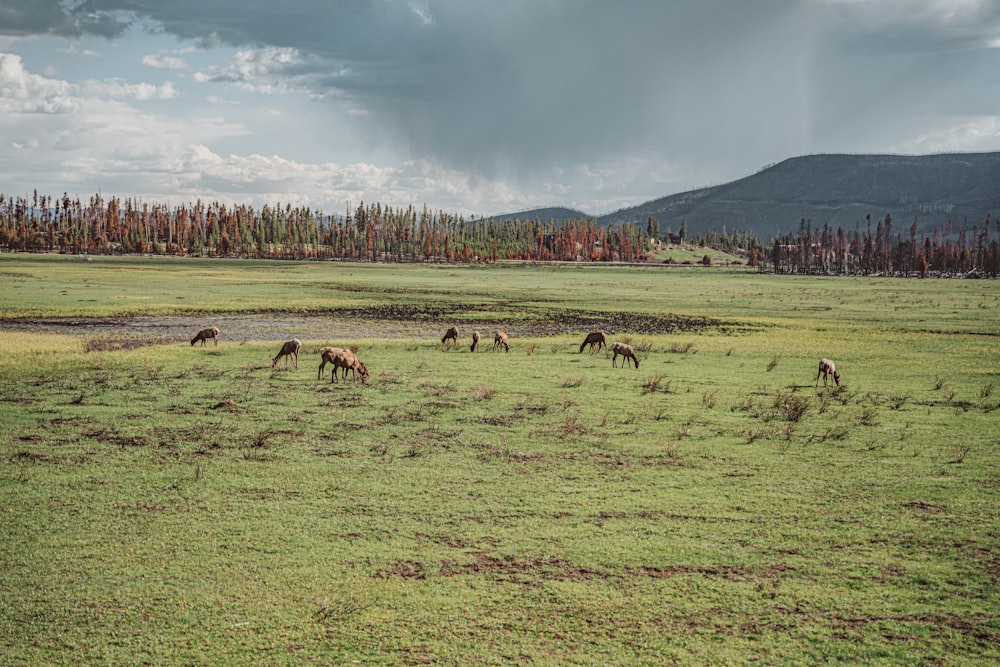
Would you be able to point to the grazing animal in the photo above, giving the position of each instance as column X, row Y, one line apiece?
column 625, row 351
column 326, row 357
column 596, row 340
column 475, row 341
column 827, row 367
column 500, row 341
column 289, row 349
column 349, row 362
column 451, row 335
column 358, row 369
column 205, row 334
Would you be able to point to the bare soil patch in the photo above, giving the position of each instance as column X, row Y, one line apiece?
column 392, row 321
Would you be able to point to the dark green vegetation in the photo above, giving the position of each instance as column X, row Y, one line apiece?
column 837, row 191
column 172, row 504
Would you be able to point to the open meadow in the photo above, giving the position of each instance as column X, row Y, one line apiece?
column 163, row 503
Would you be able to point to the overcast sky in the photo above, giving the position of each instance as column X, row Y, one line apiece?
column 476, row 107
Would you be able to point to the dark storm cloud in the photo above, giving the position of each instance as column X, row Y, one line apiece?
column 518, row 87
column 32, row 17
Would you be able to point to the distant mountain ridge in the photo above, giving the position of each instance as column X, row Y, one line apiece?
column 837, row 190
column 554, row 213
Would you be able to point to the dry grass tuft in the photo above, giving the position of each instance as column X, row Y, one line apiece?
column 657, row 383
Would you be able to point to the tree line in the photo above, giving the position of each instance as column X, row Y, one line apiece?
column 947, row 250
column 374, row 232
column 367, row 233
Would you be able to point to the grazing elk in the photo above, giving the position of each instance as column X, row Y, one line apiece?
column 357, row 369
column 205, row 334
column 475, row 341
column 827, row 367
column 500, row 341
column 349, row 362
column 326, row 357
column 625, row 351
column 596, row 340
column 289, row 350
column 450, row 335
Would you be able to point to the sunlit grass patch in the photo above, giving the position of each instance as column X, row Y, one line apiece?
column 19, row 347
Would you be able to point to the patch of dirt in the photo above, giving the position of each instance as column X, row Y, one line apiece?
column 390, row 321
column 553, row 569
column 403, row 569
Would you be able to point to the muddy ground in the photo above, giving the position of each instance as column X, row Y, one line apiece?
column 346, row 325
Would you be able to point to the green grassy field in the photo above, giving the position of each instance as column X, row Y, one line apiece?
column 170, row 504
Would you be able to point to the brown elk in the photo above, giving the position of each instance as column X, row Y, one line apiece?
column 827, row 367
column 596, row 340
column 326, row 357
column 500, row 341
column 450, row 335
column 475, row 341
column 349, row 362
column 289, row 350
column 205, row 334
column 625, row 351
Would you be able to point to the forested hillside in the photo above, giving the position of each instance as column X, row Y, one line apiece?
column 836, row 191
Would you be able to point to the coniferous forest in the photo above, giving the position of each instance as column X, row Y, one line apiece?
column 380, row 233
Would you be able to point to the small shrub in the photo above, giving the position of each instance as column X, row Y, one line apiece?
column 485, row 392
column 570, row 382
column 530, row 348
column 791, row 408
column 681, row 348
column 985, row 391
column 414, row 451
column 771, row 364
column 896, row 401
column 960, row 454
column 938, row 382
column 259, row 439
column 572, row 425
column 841, row 394
column 651, row 384
column 868, row 416
column 256, row 446
column 708, row 398
column 747, row 405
